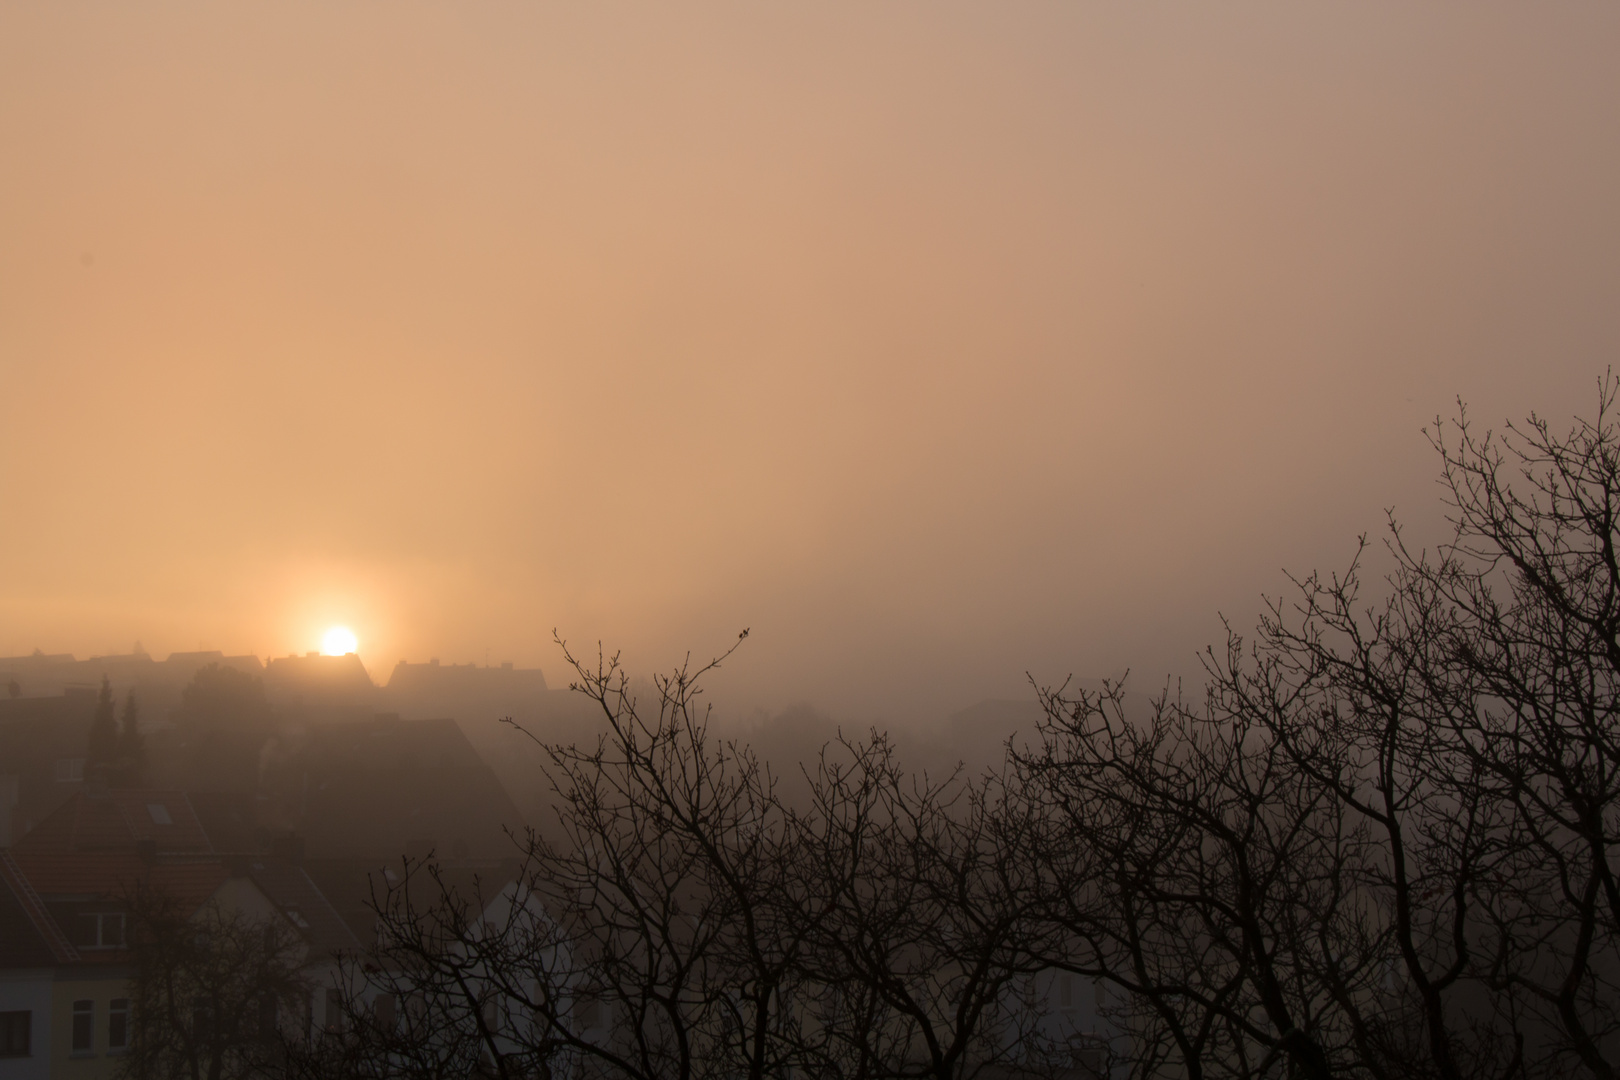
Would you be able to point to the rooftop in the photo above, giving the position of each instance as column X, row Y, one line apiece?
column 121, row 819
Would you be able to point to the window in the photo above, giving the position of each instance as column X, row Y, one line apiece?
column 69, row 770
column 159, row 813
column 15, row 1030
column 84, row 1026
column 118, row 1025
column 101, row 930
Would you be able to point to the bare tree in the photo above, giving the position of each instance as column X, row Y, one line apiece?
column 1381, row 843
column 680, row 921
column 654, row 932
column 1388, row 831
column 924, row 930
column 1195, row 857
column 1533, row 579
column 674, row 884
column 445, row 993
column 211, row 993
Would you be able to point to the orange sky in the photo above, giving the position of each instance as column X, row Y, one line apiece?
column 934, row 342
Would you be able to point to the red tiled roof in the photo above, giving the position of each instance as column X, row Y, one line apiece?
column 120, row 820
column 190, row 884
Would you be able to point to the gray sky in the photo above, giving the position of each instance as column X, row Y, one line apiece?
column 934, row 342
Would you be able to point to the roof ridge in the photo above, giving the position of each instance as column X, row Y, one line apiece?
column 60, row 947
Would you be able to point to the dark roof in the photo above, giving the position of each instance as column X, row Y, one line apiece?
column 28, row 937
column 37, row 736
column 352, row 884
column 230, row 820
column 298, row 898
column 109, row 874
column 43, row 717
column 346, row 885
column 122, row 819
column 375, row 789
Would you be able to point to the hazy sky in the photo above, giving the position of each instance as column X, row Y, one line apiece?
column 934, row 342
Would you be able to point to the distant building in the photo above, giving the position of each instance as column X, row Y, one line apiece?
column 383, row 787
column 321, row 688
column 156, row 684
column 452, row 681
column 42, row 756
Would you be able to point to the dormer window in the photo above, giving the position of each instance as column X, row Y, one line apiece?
column 101, row 930
column 160, row 813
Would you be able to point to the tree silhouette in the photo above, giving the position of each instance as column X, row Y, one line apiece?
column 214, row 992
column 220, row 695
column 1383, row 842
column 131, row 745
column 102, row 744
column 130, row 739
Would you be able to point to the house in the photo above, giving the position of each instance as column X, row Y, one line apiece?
column 468, row 692
column 31, row 949
column 157, row 684
column 65, row 968
column 66, row 890
column 378, row 788
column 480, row 698
column 321, row 689
column 42, row 756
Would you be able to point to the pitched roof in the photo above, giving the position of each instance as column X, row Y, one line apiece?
column 123, row 819
column 28, row 935
column 106, row 874
column 373, row 790
column 352, row 885
column 306, row 907
column 230, row 820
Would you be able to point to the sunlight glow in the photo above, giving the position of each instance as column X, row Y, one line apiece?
column 339, row 641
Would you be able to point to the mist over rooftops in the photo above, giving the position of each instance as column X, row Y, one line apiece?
column 434, row 677
column 49, row 674
column 325, row 687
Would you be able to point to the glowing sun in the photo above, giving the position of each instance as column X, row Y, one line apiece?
column 339, row 641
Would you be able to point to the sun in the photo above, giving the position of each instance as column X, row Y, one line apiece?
column 339, row 641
